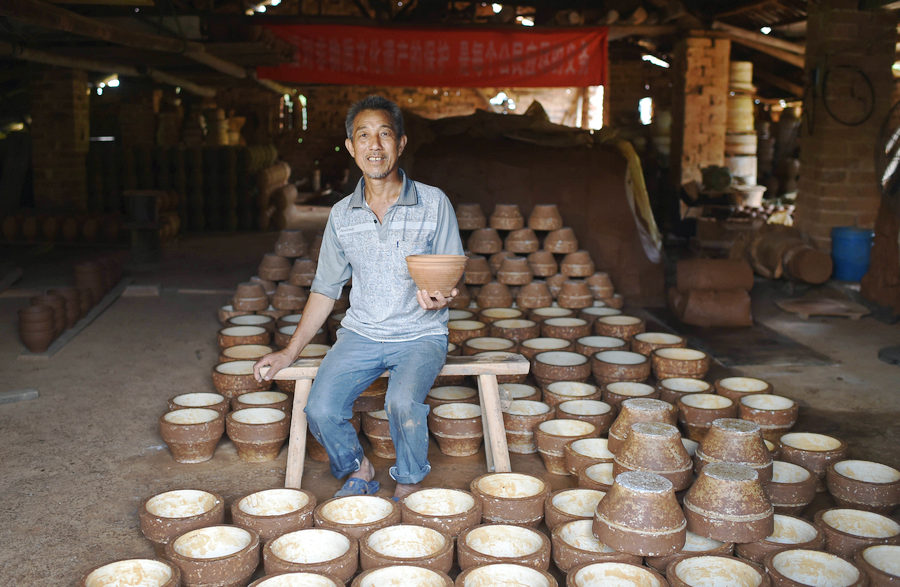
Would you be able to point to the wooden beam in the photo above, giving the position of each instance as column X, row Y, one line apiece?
column 737, row 32
column 617, row 32
column 779, row 82
column 747, row 8
column 795, row 60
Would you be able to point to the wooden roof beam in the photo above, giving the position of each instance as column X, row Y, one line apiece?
column 738, row 33
column 617, row 32
column 779, row 82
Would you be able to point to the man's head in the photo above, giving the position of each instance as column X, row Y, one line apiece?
column 375, row 136
column 375, row 103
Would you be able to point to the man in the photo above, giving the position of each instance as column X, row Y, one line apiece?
column 390, row 325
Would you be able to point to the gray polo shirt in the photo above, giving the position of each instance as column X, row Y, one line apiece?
column 383, row 304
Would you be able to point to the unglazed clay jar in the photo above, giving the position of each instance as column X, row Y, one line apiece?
column 655, row 447
column 484, row 241
column 574, row 294
column 679, row 362
column 312, row 550
column 735, row 441
column 551, row 437
column 506, row 217
column 637, row 410
column 601, row 285
column 451, row 394
column 813, row 452
column 503, row 543
column 585, row 452
column 864, row 485
column 737, row 387
column 505, row 574
column 215, row 555
column 574, row 544
column 596, row 574
column 790, row 532
column 727, row 503
column 235, row 335
column 593, row 411
column 515, row 271
column 694, row 545
column 775, row 414
column 697, row 412
column 568, row 328
column 236, row 377
column 303, row 271
column 245, row 352
column 522, row 240
column 560, row 366
column 545, row 217
column 672, row 389
column 849, row 531
column 212, row 401
column 469, row 216
column 520, row 420
column 263, row 399
column 590, row 345
column 534, row 295
column 257, row 433
column 402, row 575
column 812, row 568
column 562, row 391
column 577, row 264
column 791, row 489
column 598, row 476
column 290, row 243
column 881, row 563
column 406, row 544
column 356, row 514
column 618, row 391
column 533, row 346
column 613, row 366
column 561, row 240
column 273, row 512
column 640, row 515
column 567, row 505
column 543, row 264
column 510, row 498
column 449, row 511
column 457, row 428
column 274, row 267
column 621, row 326
column 167, row 515
column 647, row 342
column 715, row 570
column 136, row 571
column 192, row 433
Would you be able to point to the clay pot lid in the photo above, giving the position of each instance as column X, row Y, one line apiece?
column 406, row 541
column 402, row 575
column 198, row 399
column 783, row 472
column 214, row 542
column 310, row 546
column 274, row 502
column 685, row 384
column 190, row 416
column 460, row 411
column 572, row 389
column 577, row 502
column 299, row 578
column 505, row 574
column 614, row 574
column 181, row 503
column 706, row 401
column 510, row 485
column 858, row 523
column 356, row 510
column 630, row 389
column 810, row 441
column 620, row 357
column 716, row 570
column 597, row 448
column 768, row 402
column 439, row 502
column 868, row 472
column 563, row 427
column 810, row 567
column 452, row 392
column 504, row 541
column 524, row 407
column 134, row 571
column 883, row 558
column 436, row 272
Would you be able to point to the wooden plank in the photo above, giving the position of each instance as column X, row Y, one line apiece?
column 297, row 443
column 787, row 57
column 779, row 82
column 617, row 32
column 514, row 364
column 774, row 42
column 495, row 441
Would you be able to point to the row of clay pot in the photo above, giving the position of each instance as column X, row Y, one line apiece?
column 487, row 241
column 470, row 216
column 509, row 268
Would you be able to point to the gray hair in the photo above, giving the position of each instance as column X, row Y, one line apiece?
column 375, row 103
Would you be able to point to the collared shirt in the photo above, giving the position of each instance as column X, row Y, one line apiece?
column 383, row 305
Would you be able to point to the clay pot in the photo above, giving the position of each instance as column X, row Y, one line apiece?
column 263, row 399
column 545, row 217
column 450, row 394
column 506, row 217
column 245, row 352
column 864, row 485
column 655, row 447
column 484, row 241
column 694, row 545
column 551, row 437
column 406, row 545
column 502, row 543
column 494, row 295
column 613, row 366
column 791, row 489
column 470, row 217
column 234, row 378
column 290, row 243
column 312, row 550
column 789, row 533
column 562, row 391
column 250, row 304
column 461, row 314
column 436, row 273
column 553, row 366
column 72, row 305
column 574, row 295
column 591, row 345
column 534, row 295
column 574, row 544
column 227, row 311
column 672, row 389
column 601, row 285
column 257, row 433
column 799, row 568
column 542, row 263
column 520, row 419
column 503, row 356
column 457, row 428
column 715, row 570
column 266, row 322
column 491, row 315
column 274, row 512
column 515, row 329
column 531, row 347
column 289, row 297
column 593, row 411
column 735, row 388
column 598, row 476
column 647, row 342
column 617, row 392
column 167, row 515
column 555, row 283
column 613, row 573
column 36, row 338
column 357, row 514
column 134, row 571
column 58, row 305
column 727, row 502
column 377, row 429
column 541, row 314
column 735, row 441
column 212, row 401
column 561, row 240
column 269, row 285
column 679, row 362
column 481, row 344
column 215, row 555
column 813, row 452
column 697, row 411
column 191, row 434
column 510, row 498
column 520, row 391
column 462, row 330
column 303, row 271
column 449, row 511
column 567, row 328
column 635, row 410
column 290, row 320
column 496, row 260
column 848, row 531
column 775, row 414
column 879, row 563
column 577, row 264
column 514, row 271
column 235, row 335
column 274, row 267
column 522, row 240
column 478, row 272
column 568, row 505
column 503, row 574
column 620, row 326
column 585, row 452
column 640, row 516
column 284, row 334
column 591, row 313
column 402, row 575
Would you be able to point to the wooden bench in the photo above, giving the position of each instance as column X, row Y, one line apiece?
column 486, row 369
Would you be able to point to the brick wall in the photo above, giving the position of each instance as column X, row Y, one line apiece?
column 60, row 132
column 837, row 185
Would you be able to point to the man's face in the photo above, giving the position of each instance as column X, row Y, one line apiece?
column 375, row 145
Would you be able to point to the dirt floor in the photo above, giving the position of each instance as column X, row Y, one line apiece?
column 78, row 460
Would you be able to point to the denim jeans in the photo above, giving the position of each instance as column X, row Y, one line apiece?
column 351, row 365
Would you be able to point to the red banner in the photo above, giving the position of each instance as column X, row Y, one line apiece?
column 361, row 55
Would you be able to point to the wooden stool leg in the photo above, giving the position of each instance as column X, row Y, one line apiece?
column 297, row 442
column 492, row 418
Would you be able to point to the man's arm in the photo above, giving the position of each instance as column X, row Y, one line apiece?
column 318, row 308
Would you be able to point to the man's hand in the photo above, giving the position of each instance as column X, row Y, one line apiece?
column 275, row 361
column 434, row 301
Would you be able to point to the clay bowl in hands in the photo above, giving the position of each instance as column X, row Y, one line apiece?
column 167, row 515
column 574, row 544
column 215, row 555
column 510, row 498
column 274, row 512
column 438, row 273
column 789, row 533
column 312, row 550
column 864, row 485
column 192, row 433
column 212, row 401
column 848, row 531
column 136, row 571
column 568, row 505
column 402, row 575
column 716, row 570
column 449, row 511
column 812, row 568
column 503, row 543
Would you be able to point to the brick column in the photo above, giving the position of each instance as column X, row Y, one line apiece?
column 699, row 105
column 837, row 185
column 60, row 132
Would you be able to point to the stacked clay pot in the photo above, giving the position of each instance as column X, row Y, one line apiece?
column 37, row 327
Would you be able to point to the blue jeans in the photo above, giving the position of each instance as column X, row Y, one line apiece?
column 351, row 365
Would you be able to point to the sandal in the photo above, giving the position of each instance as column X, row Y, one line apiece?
column 357, row 486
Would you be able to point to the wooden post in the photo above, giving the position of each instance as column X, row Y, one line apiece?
column 297, row 443
column 492, row 417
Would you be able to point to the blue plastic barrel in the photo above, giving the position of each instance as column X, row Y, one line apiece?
column 850, row 249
